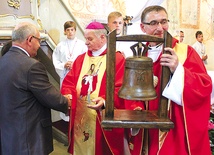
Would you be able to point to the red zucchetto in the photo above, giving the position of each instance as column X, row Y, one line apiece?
column 95, row 25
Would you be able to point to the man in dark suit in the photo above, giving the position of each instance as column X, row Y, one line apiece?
column 6, row 47
column 26, row 97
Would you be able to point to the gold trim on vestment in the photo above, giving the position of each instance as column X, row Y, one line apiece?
column 85, row 118
column 181, row 51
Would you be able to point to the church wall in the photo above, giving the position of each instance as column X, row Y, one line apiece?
column 191, row 16
column 50, row 15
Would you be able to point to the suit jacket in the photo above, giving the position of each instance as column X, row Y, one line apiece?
column 26, row 100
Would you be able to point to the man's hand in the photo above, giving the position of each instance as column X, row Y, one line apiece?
column 138, row 108
column 69, row 97
column 204, row 57
column 68, row 65
column 169, row 60
column 99, row 103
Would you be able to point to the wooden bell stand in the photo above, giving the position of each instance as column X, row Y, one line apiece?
column 120, row 118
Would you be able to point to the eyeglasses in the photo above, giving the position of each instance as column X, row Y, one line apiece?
column 39, row 39
column 155, row 23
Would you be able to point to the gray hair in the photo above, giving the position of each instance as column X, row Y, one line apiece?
column 98, row 32
column 22, row 31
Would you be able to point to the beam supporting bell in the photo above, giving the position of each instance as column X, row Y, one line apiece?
column 138, row 79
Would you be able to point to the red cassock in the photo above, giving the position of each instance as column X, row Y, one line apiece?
column 190, row 134
column 106, row 142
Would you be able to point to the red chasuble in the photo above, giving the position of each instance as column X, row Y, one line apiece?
column 190, row 134
column 106, row 142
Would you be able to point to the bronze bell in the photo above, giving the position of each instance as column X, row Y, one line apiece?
column 138, row 79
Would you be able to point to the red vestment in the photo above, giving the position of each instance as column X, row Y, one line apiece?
column 106, row 142
column 190, row 134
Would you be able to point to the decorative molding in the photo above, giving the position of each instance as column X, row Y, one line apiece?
column 18, row 17
column 14, row 3
column 40, row 23
column 6, row 32
column 38, row 3
column 28, row 10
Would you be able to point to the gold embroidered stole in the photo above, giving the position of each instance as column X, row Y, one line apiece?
column 85, row 118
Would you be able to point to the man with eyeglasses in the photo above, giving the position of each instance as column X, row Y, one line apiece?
column 27, row 97
column 39, row 39
column 188, row 92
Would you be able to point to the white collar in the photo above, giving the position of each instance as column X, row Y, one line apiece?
column 22, row 50
column 98, row 52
